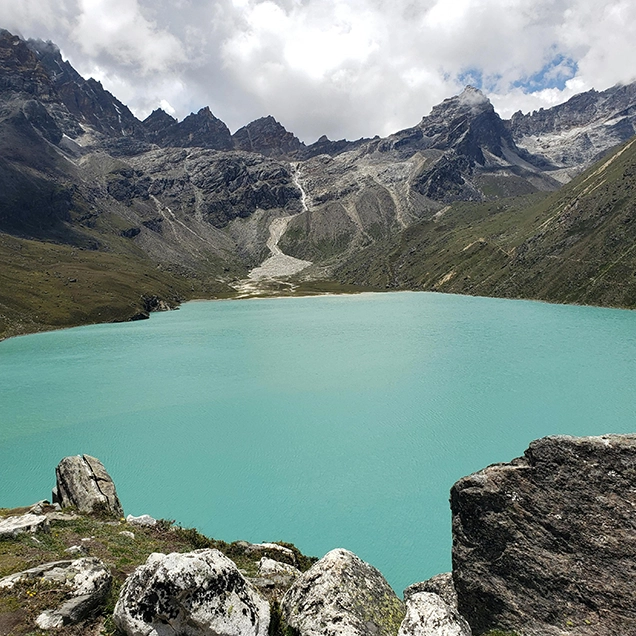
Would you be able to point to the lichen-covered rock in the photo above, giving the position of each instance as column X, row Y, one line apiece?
column 13, row 526
column 270, row 567
column 440, row 584
column 88, row 583
column 82, row 482
column 199, row 593
column 141, row 520
column 341, row 595
column 547, row 543
column 428, row 615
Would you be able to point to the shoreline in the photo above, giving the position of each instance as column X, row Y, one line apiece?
column 303, row 293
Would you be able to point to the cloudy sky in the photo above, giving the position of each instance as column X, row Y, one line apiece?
column 345, row 68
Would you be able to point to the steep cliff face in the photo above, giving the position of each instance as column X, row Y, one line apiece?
column 545, row 544
column 574, row 134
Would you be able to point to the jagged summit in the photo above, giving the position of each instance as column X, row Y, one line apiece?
column 200, row 129
column 470, row 100
column 267, row 136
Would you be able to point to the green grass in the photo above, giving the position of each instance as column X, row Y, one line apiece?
column 572, row 246
column 48, row 286
column 20, row 606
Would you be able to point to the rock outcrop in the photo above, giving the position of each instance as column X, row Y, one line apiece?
column 87, row 581
column 546, row 544
column 341, row 595
column 192, row 594
column 82, row 482
column 428, row 615
column 440, row 584
column 17, row 524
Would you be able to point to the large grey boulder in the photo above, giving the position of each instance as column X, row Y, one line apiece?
column 341, row 595
column 440, row 584
column 547, row 543
column 428, row 615
column 87, row 582
column 198, row 593
column 13, row 526
column 82, row 482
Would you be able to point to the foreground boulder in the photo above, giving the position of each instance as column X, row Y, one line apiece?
column 428, row 615
column 342, row 595
column 547, row 543
column 87, row 581
column 82, row 482
column 193, row 594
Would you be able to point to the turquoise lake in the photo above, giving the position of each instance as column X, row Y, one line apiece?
column 333, row 421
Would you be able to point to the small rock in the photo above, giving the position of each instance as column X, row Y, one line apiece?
column 127, row 533
column 441, row 584
column 76, row 550
column 39, row 507
column 271, row 550
column 269, row 567
column 82, row 482
column 13, row 526
column 141, row 520
column 428, row 615
column 196, row 593
column 341, row 595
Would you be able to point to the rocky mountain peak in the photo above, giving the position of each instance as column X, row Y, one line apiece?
column 267, row 136
column 159, row 119
column 20, row 68
column 471, row 101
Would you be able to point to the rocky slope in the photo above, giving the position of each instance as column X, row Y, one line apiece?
column 573, row 246
column 572, row 135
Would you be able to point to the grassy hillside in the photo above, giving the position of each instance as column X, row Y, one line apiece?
column 47, row 286
column 577, row 245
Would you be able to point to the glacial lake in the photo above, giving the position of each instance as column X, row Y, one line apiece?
column 334, row 421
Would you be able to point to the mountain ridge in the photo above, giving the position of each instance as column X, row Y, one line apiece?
column 196, row 202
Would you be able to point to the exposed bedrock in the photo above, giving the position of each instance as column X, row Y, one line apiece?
column 341, row 595
column 83, row 483
column 546, row 544
column 428, row 615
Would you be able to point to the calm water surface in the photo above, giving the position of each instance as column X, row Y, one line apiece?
column 335, row 421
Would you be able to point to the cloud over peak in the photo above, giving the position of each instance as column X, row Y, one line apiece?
column 347, row 68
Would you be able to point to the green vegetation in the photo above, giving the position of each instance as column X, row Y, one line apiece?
column 47, row 286
column 20, row 605
column 575, row 246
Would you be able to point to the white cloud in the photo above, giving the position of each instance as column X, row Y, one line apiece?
column 346, row 68
column 118, row 29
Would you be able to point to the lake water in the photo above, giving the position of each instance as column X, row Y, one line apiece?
column 335, row 421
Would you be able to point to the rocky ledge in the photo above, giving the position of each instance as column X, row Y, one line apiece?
column 542, row 546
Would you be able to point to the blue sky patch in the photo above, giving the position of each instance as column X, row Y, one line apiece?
column 553, row 75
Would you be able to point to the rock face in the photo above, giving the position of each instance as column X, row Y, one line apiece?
column 342, row 595
column 88, row 583
column 579, row 131
column 82, row 482
column 12, row 526
column 268, row 137
column 546, row 544
column 193, row 594
column 440, row 584
column 428, row 615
